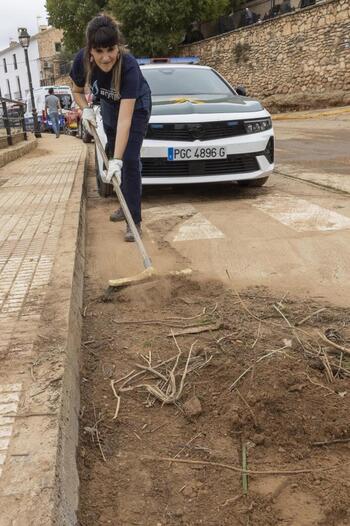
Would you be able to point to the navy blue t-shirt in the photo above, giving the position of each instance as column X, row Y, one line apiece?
column 133, row 86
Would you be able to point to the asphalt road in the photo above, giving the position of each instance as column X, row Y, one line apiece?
column 321, row 145
column 290, row 236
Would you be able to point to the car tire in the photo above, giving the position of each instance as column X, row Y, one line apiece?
column 253, row 183
column 104, row 189
column 85, row 135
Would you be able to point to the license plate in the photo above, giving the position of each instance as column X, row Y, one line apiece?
column 196, row 153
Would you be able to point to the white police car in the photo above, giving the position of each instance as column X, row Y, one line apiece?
column 200, row 131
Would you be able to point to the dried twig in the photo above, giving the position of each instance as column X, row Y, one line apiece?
column 256, row 362
column 149, row 322
column 333, row 344
column 171, row 395
column 225, row 337
column 329, row 442
column 189, row 318
column 280, row 302
column 197, row 329
column 118, row 400
column 289, row 324
column 298, row 323
column 247, row 471
column 244, row 470
column 95, row 427
column 246, row 403
column 328, row 368
column 339, row 366
column 158, row 427
column 246, row 308
column 186, row 445
column 231, row 500
column 319, row 385
column 257, row 336
column 175, row 341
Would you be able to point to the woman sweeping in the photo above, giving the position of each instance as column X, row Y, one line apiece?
column 115, row 77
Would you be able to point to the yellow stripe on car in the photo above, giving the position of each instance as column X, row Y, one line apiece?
column 183, row 100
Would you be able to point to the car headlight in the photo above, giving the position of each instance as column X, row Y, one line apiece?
column 258, row 125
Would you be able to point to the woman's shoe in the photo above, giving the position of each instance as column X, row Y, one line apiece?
column 129, row 236
column 118, row 215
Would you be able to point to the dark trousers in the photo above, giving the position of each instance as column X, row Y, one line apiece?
column 131, row 183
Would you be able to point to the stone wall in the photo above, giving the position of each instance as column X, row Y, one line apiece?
column 301, row 57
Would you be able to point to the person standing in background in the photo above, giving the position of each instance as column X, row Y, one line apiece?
column 53, row 107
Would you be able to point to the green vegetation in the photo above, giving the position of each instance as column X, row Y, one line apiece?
column 72, row 16
column 151, row 27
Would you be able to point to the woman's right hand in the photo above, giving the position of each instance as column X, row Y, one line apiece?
column 114, row 169
column 89, row 119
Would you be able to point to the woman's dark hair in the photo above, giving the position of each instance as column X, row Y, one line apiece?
column 103, row 31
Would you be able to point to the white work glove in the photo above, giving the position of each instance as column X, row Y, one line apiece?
column 89, row 119
column 114, row 169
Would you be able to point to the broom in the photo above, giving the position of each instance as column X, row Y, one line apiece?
column 149, row 270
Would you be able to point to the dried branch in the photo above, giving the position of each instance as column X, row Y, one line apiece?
column 333, row 344
column 247, row 471
column 298, row 323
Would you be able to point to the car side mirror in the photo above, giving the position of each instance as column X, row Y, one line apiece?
column 241, row 91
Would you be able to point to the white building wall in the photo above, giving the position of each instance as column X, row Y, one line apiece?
column 21, row 71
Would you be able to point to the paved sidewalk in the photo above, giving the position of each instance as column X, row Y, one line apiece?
column 35, row 195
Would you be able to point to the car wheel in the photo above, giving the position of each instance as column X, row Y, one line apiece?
column 104, row 189
column 85, row 135
column 253, row 183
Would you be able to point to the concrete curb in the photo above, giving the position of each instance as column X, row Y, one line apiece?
column 66, row 489
column 312, row 115
column 14, row 152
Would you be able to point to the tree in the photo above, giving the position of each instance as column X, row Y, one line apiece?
column 156, row 27
column 72, row 16
column 236, row 4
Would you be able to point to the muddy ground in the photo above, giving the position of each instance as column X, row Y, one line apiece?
column 251, row 375
column 283, row 405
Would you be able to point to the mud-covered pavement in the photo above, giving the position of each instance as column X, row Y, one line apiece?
column 259, row 385
column 261, row 369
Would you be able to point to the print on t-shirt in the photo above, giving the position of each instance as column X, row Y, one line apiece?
column 109, row 94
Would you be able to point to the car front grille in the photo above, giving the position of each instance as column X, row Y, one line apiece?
column 192, row 131
column 161, row 167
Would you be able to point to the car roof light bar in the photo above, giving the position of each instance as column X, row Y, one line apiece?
column 167, row 60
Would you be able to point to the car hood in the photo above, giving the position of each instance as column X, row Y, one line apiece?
column 199, row 104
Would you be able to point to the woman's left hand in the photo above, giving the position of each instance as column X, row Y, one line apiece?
column 114, row 169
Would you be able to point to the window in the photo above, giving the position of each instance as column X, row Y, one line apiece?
column 5, row 65
column 58, row 47
column 14, row 61
column 19, row 87
column 9, row 87
column 185, row 81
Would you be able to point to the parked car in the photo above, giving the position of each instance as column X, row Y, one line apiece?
column 200, row 131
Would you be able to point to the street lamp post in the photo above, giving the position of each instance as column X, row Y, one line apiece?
column 24, row 40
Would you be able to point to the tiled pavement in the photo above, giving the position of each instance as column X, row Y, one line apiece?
column 34, row 192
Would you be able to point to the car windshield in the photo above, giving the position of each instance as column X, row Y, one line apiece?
column 184, row 81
